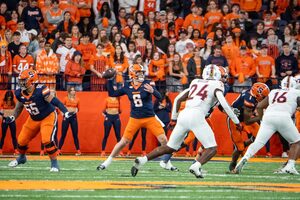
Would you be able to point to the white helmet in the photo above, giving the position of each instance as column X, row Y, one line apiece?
column 211, row 72
column 297, row 79
column 288, row 82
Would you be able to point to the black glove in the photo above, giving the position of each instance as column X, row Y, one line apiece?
column 9, row 119
column 172, row 124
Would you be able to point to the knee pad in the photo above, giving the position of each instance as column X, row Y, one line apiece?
column 51, row 149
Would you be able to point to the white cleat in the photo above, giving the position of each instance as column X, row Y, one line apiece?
column 54, row 169
column 13, row 163
column 162, row 164
column 194, row 169
column 287, row 170
column 169, row 166
column 238, row 169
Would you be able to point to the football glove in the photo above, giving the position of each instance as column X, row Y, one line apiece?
column 69, row 114
column 172, row 124
column 236, row 111
column 9, row 119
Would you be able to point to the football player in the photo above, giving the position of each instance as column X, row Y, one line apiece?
column 40, row 104
column 280, row 105
column 201, row 96
column 244, row 108
column 139, row 92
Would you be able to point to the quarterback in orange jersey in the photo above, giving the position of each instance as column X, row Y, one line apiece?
column 40, row 105
column 139, row 92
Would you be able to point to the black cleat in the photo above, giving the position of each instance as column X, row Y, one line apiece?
column 134, row 168
column 101, row 167
column 232, row 165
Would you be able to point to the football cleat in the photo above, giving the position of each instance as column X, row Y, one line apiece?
column 101, row 167
column 232, row 165
column 54, row 169
column 162, row 164
column 284, row 155
column 169, row 166
column 17, row 162
column 287, row 170
column 238, row 169
column 136, row 166
column 196, row 171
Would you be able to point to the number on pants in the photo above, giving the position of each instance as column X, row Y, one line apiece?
column 32, row 109
column 137, row 100
column 279, row 98
column 202, row 93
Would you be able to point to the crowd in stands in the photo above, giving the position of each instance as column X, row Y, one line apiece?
column 71, row 42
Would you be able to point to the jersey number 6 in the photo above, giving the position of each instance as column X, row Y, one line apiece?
column 137, row 100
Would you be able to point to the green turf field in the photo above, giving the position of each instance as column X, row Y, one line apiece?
column 79, row 179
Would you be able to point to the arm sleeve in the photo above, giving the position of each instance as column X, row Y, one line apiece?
column 226, row 107
column 174, row 114
column 56, row 102
column 156, row 93
column 112, row 92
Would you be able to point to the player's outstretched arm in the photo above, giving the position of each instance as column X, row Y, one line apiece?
column 226, row 107
column 182, row 96
column 57, row 103
column 151, row 89
column 261, row 106
column 112, row 92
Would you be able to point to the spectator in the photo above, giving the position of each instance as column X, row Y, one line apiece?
column 118, row 40
column 234, row 14
column 181, row 43
column 252, row 7
column 129, row 5
column 34, row 43
column 84, row 7
column 106, row 18
column 121, row 19
column 120, row 63
column 195, row 65
column 196, row 37
column 140, row 20
column 260, row 33
column 7, row 107
column 74, row 71
column 4, row 12
column 64, row 54
column 69, row 6
column 111, row 113
column 85, row 25
column 54, row 16
column 75, row 34
column 265, row 66
column 21, row 5
column 24, row 33
column 160, row 41
column 217, row 58
column 12, row 23
column 94, row 34
column 286, row 64
column 242, row 69
column 141, row 42
column 146, row 6
column 207, row 50
column 98, row 64
column 213, row 15
column 195, row 20
column 47, row 65
column 274, row 44
column 14, row 46
column 22, row 61
column 288, row 37
column 132, row 52
column 32, row 16
column 97, row 5
column 253, row 47
column 157, row 71
column 190, row 52
column 66, row 24
column 229, row 50
column 237, row 39
column 8, row 36
column 87, row 49
column 72, row 103
column 176, row 74
column 5, row 65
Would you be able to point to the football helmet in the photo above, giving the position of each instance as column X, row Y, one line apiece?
column 288, row 82
column 212, row 72
column 259, row 91
column 137, row 72
column 27, row 78
column 297, row 79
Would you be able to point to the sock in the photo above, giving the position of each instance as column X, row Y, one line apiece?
column 107, row 162
column 253, row 149
column 166, row 157
column 143, row 160
column 291, row 163
column 54, row 163
column 21, row 158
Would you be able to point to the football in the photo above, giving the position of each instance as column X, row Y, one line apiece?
column 109, row 73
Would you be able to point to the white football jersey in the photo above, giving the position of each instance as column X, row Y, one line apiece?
column 202, row 94
column 283, row 101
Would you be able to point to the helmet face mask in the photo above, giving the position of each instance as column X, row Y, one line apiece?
column 140, row 77
column 137, row 73
column 27, row 78
column 23, row 84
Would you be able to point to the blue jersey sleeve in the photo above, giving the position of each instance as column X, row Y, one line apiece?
column 155, row 91
column 112, row 92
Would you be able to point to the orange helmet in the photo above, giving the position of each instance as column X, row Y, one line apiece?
column 27, row 78
column 137, row 72
column 259, row 91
